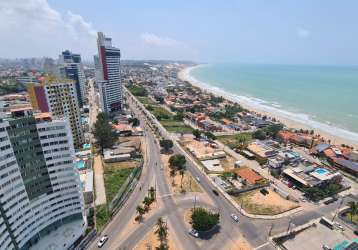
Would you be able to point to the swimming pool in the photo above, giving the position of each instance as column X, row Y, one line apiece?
column 80, row 164
column 86, row 146
column 321, row 171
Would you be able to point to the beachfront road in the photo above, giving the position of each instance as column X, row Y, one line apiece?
column 255, row 231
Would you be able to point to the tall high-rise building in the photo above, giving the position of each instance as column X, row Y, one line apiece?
column 60, row 99
column 70, row 67
column 40, row 188
column 108, row 77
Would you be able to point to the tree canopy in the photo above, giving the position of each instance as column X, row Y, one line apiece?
column 204, row 220
column 259, row 134
column 103, row 131
column 166, row 144
column 197, row 133
column 178, row 161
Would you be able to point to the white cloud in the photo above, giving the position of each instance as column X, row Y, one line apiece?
column 152, row 39
column 34, row 28
column 78, row 25
column 303, row 32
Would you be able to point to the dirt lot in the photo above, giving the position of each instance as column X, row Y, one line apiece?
column 189, row 183
column 151, row 241
column 228, row 163
column 254, row 202
column 199, row 147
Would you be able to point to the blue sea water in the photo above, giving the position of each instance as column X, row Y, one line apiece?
column 326, row 95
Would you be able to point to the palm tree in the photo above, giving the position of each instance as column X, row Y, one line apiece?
column 182, row 172
column 162, row 231
column 152, row 192
column 172, row 174
column 147, row 201
column 140, row 211
column 353, row 206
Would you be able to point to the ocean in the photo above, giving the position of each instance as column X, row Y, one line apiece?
column 324, row 97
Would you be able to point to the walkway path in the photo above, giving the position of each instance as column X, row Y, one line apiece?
column 99, row 181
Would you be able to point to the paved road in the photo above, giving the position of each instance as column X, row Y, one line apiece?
column 256, row 231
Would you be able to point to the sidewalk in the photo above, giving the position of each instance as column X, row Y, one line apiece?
column 99, row 181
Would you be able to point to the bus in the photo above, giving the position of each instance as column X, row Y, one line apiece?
column 328, row 223
column 248, row 154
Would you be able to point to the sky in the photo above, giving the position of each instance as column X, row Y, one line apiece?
column 250, row 31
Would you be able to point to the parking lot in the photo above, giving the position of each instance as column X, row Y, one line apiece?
column 316, row 236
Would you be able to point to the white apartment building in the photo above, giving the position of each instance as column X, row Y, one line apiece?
column 40, row 188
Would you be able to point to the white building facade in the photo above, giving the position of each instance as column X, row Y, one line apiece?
column 40, row 188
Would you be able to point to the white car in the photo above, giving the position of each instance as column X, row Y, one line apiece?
column 235, row 217
column 194, row 233
column 339, row 226
column 198, row 179
column 103, row 240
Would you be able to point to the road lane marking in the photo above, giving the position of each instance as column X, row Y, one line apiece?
column 265, row 244
column 165, row 195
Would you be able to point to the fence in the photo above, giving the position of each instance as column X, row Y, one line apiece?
column 86, row 240
column 125, row 189
column 236, row 191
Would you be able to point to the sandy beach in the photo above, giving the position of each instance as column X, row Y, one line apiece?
column 297, row 121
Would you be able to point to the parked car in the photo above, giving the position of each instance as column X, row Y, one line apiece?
column 235, row 217
column 339, row 226
column 325, row 247
column 194, row 233
column 103, row 240
column 330, row 200
column 215, row 192
column 264, row 191
column 198, row 179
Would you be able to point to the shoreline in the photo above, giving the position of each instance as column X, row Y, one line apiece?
column 337, row 135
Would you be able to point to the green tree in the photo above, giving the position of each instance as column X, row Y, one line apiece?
column 134, row 121
column 204, row 220
column 147, row 201
column 166, row 144
column 259, row 134
column 140, row 211
column 162, row 232
column 103, row 132
column 177, row 161
column 210, row 135
column 182, row 172
column 353, row 207
column 178, row 116
column 197, row 133
column 235, row 176
column 152, row 193
column 273, row 129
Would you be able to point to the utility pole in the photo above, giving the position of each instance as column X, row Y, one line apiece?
column 194, row 202
column 289, row 224
column 339, row 207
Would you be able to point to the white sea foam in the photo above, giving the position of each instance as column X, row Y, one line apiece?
column 274, row 109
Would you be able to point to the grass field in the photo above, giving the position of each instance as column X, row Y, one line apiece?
column 354, row 219
column 176, row 126
column 146, row 100
column 102, row 216
column 161, row 113
column 234, row 141
column 114, row 177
